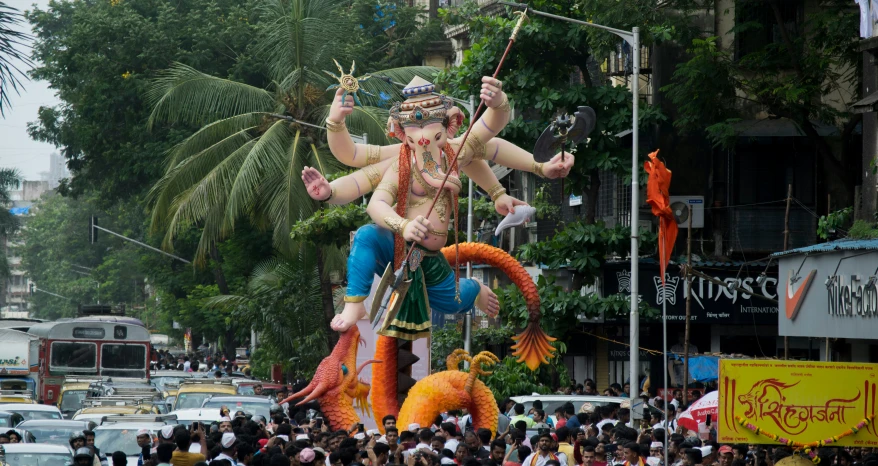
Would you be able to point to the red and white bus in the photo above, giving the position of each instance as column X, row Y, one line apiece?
column 100, row 346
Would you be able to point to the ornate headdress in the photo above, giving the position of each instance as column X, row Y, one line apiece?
column 421, row 106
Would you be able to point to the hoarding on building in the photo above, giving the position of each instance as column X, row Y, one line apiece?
column 829, row 294
column 797, row 400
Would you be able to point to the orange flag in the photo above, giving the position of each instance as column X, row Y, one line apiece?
column 657, row 197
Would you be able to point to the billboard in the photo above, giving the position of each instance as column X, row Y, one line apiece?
column 797, row 400
column 832, row 294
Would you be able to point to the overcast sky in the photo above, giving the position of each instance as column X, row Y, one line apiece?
column 17, row 149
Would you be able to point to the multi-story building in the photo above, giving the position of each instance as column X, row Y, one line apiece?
column 16, row 289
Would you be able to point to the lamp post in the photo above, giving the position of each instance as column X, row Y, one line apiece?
column 633, row 39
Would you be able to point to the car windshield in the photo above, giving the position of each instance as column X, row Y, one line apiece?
column 117, row 440
column 6, row 421
column 549, row 406
column 249, row 407
column 162, row 382
column 38, row 415
column 53, row 435
column 38, row 459
column 190, row 400
column 71, row 400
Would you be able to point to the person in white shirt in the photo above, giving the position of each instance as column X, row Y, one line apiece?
column 544, row 454
column 425, row 439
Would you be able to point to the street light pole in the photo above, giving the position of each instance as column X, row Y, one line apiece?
column 633, row 39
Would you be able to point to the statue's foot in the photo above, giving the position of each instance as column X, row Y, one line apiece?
column 349, row 316
column 487, row 301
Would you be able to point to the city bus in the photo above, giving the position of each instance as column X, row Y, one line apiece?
column 90, row 346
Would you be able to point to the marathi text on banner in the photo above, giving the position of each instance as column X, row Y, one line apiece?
column 802, row 401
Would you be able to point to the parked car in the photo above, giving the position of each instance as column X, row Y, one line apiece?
column 194, row 391
column 187, row 416
column 31, row 454
column 121, row 435
column 55, row 431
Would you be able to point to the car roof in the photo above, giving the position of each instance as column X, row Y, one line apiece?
column 196, row 414
column 170, row 374
column 256, row 398
column 16, row 407
column 134, row 425
column 75, row 386
column 36, row 448
column 52, row 423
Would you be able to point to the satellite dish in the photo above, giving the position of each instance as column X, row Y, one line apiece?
column 681, row 212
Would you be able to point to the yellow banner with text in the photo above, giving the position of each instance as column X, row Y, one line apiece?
column 797, row 401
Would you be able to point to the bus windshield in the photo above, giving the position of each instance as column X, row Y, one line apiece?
column 123, row 360
column 70, row 357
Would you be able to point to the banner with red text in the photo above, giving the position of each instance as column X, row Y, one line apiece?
column 801, row 401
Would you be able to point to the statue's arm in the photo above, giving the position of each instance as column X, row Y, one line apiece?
column 484, row 177
column 381, row 210
column 340, row 143
column 347, row 188
column 503, row 152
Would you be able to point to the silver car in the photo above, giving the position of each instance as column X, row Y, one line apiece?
column 35, row 454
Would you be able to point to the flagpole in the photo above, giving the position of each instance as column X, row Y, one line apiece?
column 665, row 353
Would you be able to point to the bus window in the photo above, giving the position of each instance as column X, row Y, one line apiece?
column 123, row 360
column 73, row 357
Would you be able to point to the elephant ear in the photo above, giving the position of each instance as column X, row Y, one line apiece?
column 394, row 129
column 455, row 119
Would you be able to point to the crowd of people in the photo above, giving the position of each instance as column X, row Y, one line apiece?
column 588, row 436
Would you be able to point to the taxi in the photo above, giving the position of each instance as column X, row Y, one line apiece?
column 74, row 390
column 17, row 396
column 96, row 413
column 193, row 392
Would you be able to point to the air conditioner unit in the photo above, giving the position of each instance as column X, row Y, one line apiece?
column 680, row 206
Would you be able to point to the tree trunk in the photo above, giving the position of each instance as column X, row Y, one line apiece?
column 326, row 295
column 229, row 338
column 591, row 197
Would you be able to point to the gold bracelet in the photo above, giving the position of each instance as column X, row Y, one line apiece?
column 537, row 169
column 496, row 195
column 396, row 224
column 504, row 107
column 335, row 126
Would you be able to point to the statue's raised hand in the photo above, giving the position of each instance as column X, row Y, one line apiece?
column 340, row 108
column 556, row 168
column 317, row 186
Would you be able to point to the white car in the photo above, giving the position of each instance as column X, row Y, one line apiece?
column 205, row 416
column 35, row 454
column 122, row 436
column 32, row 411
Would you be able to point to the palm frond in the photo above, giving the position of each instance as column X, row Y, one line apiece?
column 211, row 134
column 12, row 46
column 184, row 94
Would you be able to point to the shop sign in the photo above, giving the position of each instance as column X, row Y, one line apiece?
column 711, row 303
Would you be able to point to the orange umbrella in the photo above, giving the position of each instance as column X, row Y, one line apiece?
column 657, row 197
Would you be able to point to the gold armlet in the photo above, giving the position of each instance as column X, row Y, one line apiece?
column 335, row 126
column 504, row 107
column 537, row 169
column 475, row 148
column 372, row 175
column 396, row 224
column 389, row 188
column 373, row 154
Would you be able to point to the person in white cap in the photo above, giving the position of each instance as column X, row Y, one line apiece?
column 144, row 439
column 708, row 456
column 166, row 435
column 225, row 425
column 228, row 445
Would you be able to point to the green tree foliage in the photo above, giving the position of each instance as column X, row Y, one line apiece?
column 9, row 179
column 99, row 58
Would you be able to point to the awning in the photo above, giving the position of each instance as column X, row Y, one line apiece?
column 866, row 104
column 779, row 127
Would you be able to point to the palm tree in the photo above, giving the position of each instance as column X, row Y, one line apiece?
column 9, row 179
column 245, row 162
column 10, row 42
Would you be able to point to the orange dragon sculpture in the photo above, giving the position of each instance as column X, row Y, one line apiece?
column 339, row 391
